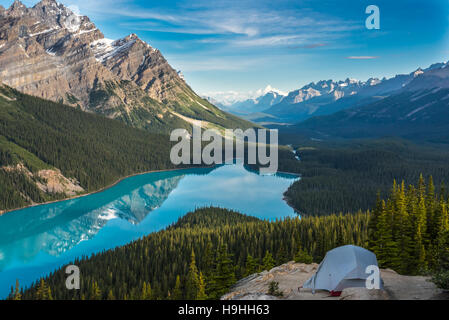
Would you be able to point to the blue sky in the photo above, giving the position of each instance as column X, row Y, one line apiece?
column 232, row 48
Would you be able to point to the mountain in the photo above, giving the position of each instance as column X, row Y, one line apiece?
column 418, row 111
column 327, row 97
column 307, row 100
column 50, row 52
column 267, row 98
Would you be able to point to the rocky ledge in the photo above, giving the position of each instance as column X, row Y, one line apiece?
column 291, row 276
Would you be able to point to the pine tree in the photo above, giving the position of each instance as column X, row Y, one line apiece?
column 403, row 229
column 430, row 210
column 387, row 253
column 201, row 289
column 17, row 295
column 281, row 256
column 373, row 231
column 177, row 293
column 224, row 274
column 110, row 295
column 146, row 291
column 420, row 231
column 268, row 262
column 302, row 256
column 192, row 282
column 251, row 266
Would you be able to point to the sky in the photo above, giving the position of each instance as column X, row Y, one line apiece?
column 231, row 49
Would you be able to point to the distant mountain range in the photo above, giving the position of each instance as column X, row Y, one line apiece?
column 418, row 110
column 328, row 96
column 50, row 52
column 267, row 98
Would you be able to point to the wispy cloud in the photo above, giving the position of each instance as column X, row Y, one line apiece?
column 362, row 57
column 239, row 24
column 191, row 63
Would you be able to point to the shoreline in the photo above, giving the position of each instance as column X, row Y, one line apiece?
column 120, row 180
column 96, row 191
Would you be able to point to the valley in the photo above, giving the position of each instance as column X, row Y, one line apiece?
column 89, row 138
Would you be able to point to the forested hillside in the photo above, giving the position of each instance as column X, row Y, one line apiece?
column 409, row 232
column 342, row 176
column 37, row 134
column 202, row 255
column 414, row 113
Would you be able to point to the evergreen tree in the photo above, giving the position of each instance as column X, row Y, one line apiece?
column 251, row 266
column 177, row 293
column 224, row 275
column 193, row 281
column 387, row 253
column 110, row 295
column 146, row 291
column 268, row 262
column 373, row 230
column 15, row 292
column 202, row 288
column 302, row 256
column 43, row 291
column 281, row 256
column 409, row 228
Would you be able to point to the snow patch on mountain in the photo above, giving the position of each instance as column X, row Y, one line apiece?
column 231, row 99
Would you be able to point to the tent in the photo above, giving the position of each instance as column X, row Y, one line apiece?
column 342, row 267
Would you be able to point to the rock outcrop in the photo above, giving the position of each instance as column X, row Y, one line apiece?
column 291, row 276
column 50, row 181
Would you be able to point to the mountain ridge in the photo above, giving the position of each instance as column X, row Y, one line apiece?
column 329, row 96
column 418, row 111
column 53, row 53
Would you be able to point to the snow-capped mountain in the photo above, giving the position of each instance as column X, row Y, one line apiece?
column 419, row 110
column 51, row 52
column 326, row 97
column 262, row 100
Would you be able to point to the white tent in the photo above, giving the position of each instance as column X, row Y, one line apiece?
column 342, row 267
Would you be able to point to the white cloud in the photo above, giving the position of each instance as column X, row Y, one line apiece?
column 191, row 63
column 230, row 97
column 362, row 57
column 240, row 24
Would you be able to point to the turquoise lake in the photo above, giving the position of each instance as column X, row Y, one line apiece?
column 37, row 240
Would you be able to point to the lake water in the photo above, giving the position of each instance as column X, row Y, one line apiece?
column 37, row 240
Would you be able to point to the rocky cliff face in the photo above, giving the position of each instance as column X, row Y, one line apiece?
column 51, row 52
